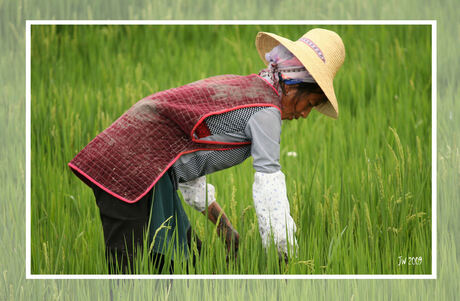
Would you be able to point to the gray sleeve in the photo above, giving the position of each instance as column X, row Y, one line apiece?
column 264, row 130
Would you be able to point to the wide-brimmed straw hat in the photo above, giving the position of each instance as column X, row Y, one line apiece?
column 321, row 52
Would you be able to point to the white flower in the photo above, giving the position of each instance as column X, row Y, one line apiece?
column 292, row 154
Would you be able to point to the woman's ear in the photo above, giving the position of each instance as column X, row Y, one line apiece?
column 283, row 87
column 291, row 88
column 286, row 88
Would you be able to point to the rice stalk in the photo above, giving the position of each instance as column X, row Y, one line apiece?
column 335, row 212
column 162, row 226
column 369, row 224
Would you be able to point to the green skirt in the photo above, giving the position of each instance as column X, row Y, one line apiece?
column 169, row 223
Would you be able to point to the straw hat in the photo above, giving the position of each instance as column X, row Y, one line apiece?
column 321, row 52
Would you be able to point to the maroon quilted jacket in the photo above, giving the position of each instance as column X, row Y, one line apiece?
column 129, row 157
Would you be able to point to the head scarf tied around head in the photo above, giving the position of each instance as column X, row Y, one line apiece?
column 283, row 65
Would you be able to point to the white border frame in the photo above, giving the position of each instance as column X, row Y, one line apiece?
column 433, row 24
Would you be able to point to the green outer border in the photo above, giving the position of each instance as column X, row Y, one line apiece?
column 13, row 284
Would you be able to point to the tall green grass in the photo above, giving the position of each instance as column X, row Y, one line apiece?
column 359, row 187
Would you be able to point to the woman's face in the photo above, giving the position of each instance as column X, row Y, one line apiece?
column 294, row 105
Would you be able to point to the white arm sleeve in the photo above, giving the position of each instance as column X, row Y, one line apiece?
column 194, row 193
column 272, row 209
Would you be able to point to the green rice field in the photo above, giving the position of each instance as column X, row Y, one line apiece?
column 359, row 187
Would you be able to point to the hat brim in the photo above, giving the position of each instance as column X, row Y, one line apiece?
column 266, row 41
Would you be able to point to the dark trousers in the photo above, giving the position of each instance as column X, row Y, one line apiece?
column 125, row 225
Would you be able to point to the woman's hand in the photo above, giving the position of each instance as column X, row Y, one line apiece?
column 224, row 228
column 232, row 237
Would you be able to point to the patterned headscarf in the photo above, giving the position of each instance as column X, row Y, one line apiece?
column 282, row 63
